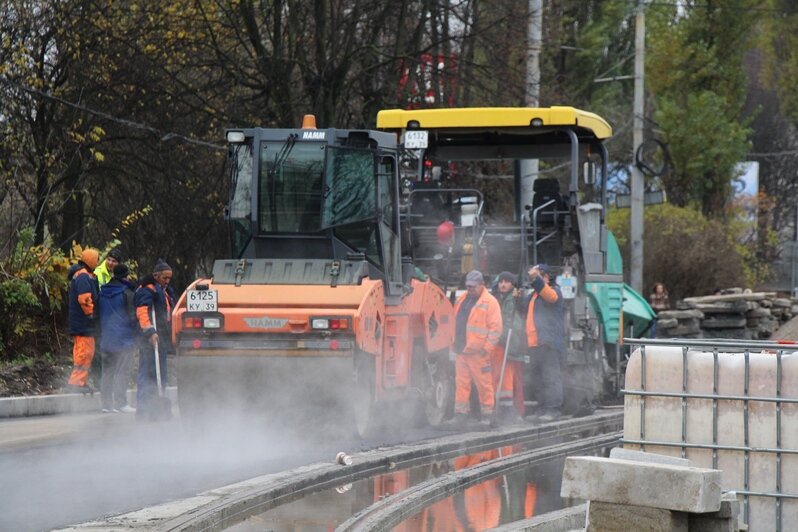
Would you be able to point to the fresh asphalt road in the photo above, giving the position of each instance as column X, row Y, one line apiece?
column 62, row 470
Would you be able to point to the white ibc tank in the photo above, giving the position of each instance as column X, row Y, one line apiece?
column 722, row 424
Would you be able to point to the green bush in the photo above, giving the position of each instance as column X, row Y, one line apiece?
column 691, row 254
column 32, row 289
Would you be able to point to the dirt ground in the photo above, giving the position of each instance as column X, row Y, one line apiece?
column 40, row 377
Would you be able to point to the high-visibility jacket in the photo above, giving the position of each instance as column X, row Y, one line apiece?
column 150, row 295
column 83, row 292
column 545, row 316
column 102, row 273
column 484, row 327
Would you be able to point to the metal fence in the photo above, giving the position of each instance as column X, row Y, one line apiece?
column 725, row 404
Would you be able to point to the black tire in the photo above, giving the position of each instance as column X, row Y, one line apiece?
column 439, row 392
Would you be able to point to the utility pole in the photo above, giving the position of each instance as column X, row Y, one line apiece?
column 638, row 182
column 528, row 168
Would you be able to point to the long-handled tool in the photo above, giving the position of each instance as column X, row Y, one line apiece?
column 504, row 366
column 162, row 405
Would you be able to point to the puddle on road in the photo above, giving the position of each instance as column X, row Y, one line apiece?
column 526, row 492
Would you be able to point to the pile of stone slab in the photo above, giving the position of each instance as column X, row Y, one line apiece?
column 634, row 490
column 734, row 313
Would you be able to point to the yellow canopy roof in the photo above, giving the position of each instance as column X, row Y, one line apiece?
column 499, row 117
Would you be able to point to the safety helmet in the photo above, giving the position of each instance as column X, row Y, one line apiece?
column 90, row 257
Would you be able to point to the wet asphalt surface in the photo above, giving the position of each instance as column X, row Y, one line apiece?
column 64, row 470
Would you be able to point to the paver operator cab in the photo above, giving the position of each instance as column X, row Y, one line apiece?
column 563, row 225
column 318, row 305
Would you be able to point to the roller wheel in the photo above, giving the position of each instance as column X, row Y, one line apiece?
column 439, row 395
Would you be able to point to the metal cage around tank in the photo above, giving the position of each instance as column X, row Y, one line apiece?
column 725, row 404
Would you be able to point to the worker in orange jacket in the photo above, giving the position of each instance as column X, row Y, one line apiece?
column 83, row 293
column 544, row 315
column 478, row 327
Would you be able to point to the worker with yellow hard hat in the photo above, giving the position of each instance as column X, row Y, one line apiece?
column 83, row 293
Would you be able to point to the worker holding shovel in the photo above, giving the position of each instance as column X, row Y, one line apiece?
column 154, row 302
column 507, row 360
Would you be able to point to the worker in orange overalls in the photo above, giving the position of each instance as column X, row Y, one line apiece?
column 478, row 327
column 83, row 293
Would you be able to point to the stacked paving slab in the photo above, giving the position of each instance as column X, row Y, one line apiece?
column 734, row 313
column 634, row 490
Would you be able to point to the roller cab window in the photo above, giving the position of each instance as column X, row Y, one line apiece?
column 291, row 187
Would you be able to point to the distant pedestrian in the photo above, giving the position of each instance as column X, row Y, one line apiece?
column 105, row 271
column 83, row 292
column 511, row 388
column 117, row 343
column 154, row 297
column 659, row 298
column 478, row 327
column 545, row 331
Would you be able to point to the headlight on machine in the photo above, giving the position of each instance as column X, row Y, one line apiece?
column 335, row 323
column 320, row 323
column 202, row 322
column 211, row 323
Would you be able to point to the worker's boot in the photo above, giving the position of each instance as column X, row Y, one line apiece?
column 508, row 415
column 458, row 422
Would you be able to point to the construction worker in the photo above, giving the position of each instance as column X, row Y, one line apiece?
column 545, row 330
column 153, row 296
column 83, row 293
column 511, row 390
column 117, row 316
column 105, row 271
column 478, row 328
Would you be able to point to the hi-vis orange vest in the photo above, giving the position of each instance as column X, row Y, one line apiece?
column 484, row 327
column 550, row 296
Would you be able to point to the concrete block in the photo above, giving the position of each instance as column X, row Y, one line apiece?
column 608, row 517
column 724, row 520
column 667, row 324
column 681, row 314
column 684, row 489
column 723, row 323
column 727, row 307
column 758, row 312
column 620, row 453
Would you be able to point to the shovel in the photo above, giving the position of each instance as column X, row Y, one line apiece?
column 504, row 366
column 161, row 407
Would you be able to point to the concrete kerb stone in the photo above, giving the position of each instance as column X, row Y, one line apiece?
column 609, row 517
column 572, row 518
column 620, row 453
column 683, row 489
column 65, row 403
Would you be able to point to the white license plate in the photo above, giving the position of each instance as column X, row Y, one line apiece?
column 416, row 139
column 202, row 300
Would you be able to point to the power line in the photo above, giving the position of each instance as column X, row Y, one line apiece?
column 773, row 153
column 163, row 135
